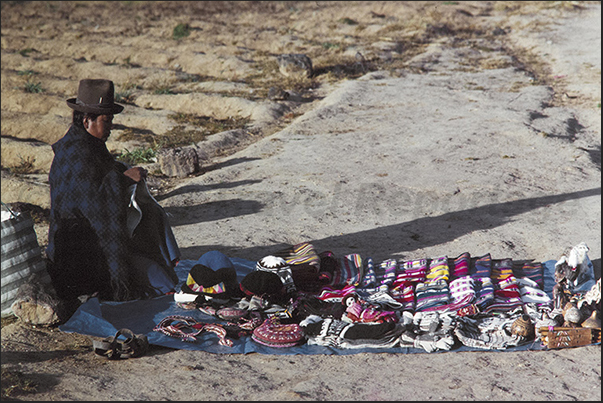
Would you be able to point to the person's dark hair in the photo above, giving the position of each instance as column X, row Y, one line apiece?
column 78, row 118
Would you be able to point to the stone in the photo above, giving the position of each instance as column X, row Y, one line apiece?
column 277, row 94
column 178, row 162
column 36, row 303
column 295, row 65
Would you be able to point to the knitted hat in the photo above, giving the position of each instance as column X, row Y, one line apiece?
column 202, row 280
column 215, row 260
column 213, row 275
column 279, row 266
column 263, row 284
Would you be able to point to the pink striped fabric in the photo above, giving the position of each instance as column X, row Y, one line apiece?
column 350, row 270
column 460, row 265
column 412, row 270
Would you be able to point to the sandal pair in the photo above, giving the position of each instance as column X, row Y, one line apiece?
column 112, row 348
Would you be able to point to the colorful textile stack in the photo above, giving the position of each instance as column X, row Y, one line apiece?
column 461, row 288
column 462, row 294
column 387, row 273
column 412, row 303
column 404, row 293
column 330, row 294
column 431, row 294
column 531, row 293
column 506, row 296
column 336, row 333
column 369, row 281
column 350, row 270
column 482, row 266
column 438, row 270
column 501, row 269
column 460, row 265
column 533, row 271
column 378, row 278
column 413, row 271
column 484, row 291
column 301, row 254
column 409, row 274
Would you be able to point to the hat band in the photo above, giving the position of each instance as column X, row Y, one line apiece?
column 100, row 106
column 214, row 289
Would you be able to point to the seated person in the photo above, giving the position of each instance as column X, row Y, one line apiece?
column 108, row 236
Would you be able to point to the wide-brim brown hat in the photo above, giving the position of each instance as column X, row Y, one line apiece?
column 95, row 96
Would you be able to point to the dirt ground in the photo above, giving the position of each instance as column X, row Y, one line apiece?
column 426, row 129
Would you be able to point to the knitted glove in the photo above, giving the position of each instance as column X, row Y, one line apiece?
column 445, row 343
column 426, row 345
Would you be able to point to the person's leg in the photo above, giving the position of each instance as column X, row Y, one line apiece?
column 147, row 272
column 79, row 266
column 154, row 251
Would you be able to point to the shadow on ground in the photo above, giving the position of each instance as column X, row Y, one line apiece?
column 204, row 188
column 211, row 211
column 383, row 242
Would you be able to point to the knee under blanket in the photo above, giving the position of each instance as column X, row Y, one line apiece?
column 103, row 319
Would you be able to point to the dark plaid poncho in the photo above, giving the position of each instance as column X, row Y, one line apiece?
column 88, row 238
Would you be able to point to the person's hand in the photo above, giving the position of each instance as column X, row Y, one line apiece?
column 136, row 174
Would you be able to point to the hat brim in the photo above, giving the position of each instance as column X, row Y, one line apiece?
column 113, row 109
column 206, row 278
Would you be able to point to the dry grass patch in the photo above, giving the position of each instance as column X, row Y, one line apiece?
column 528, row 61
column 191, row 129
column 526, row 7
column 8, row 320
column 25, row 167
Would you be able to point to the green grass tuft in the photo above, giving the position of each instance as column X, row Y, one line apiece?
column 26, row 73
column 138, row 156
column 34, row 88
column 181, row 31
column 25, row 52
column 348, row 21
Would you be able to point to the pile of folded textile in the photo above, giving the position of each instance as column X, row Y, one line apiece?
column 298, row 295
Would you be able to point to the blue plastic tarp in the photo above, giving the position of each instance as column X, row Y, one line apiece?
column 102, row 319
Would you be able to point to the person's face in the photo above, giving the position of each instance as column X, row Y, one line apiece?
column 100, row 127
